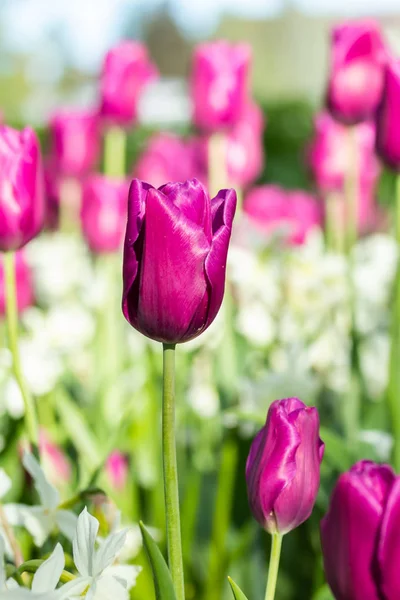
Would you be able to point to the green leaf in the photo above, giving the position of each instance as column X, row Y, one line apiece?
column 323, row 593
column 237, row 592
column 161, row 575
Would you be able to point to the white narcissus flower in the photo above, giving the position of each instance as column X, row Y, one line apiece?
column 41, row 520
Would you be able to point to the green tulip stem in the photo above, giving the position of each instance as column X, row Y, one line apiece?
column 273, row 566
column 171, row 490
column 115, row 152
column 12, row 330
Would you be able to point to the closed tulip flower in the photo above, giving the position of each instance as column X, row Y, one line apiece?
column 175, row 254
column 283, row 466
column 219, row 84
column 388, row 120
column 22, row 203
column 76, row 142
column 358, row 57
column 117, row 469
column 24, row 284
column 359, row 534
column 103, row 213
column 127, row 70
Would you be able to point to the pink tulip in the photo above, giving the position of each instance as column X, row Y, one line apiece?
column 76, row 142
column 52, row 194
column 55, row 462
column 104, row 213
column 127, row 70
column 117, row 469
column 271, row 208
column 219, row 84
column 388, row 117
column 24, row 282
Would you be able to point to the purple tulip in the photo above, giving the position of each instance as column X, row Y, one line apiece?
column 219, row 84
column 22, row 204
column 127, row 70
column 358, row 57
column 295, row 213
column 388, row 118
column 175, row 255
column 103, row 213
column 283, row 466
column 24, row 284
column 117, row 469
column 360, row 520
column 329, row 153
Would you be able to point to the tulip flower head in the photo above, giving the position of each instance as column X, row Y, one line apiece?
column 388, row 118
column 283, row 466
column 127, row 70
column 175, row 255
column 103, row 213
column 219, row 84
column 358, row 57
column 117, row 469
column 22, row 203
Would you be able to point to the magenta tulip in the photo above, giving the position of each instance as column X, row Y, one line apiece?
column 294, row 213
column 359, row 534
column 22, row 204
column 388, row 118
column 54, row 460
column 358, row 57
column 245, row 148
column 52, row 194
column 127, row 70
column 329, row 153
column 175, row 255
column 219, row 84
column 103, row 213
column 76, row 142
column 117, row 469
column 283, row 466
column 24, row 284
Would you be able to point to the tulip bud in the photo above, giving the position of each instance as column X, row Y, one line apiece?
column 127, row 70
column 219, row 84
column 117, row 469
column 283, row 466
column 103, row 213
column 295, row 213
column 350, row 532
column 388, row 120
column 175, row 254
column 22, row 205
column 24, row 283
column 76, row 142
column 357, row 64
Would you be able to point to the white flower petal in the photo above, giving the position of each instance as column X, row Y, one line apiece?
column 67, row 522
column 125, row 573
column 107, row 587
column 73, row 589
column 108, row 551
column 39, row 523
column 83, row 544
column 48, row 574
column 48, row 494
column 5, row 483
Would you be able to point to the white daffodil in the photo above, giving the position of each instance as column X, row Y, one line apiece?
column 98, row 576
column 41, row 520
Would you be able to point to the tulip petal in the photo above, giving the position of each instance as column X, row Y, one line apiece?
column 192, row 200
column 133, row 245
column 172, row 278
column 223, row 208
column 389, row 545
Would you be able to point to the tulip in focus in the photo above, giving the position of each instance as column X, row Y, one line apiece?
column 175, row 255
column 127, row 70
column 76, row 142
column 388, row 118
column 219, row 84
column 295, row 213
column 103, row 213
column 24, row 283
column 22, row 204
column 358, row 57
column 117, row 469
column 283, row 466
column 359, row 534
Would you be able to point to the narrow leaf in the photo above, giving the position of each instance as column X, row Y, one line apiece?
column 162, row 577
column 237, row 592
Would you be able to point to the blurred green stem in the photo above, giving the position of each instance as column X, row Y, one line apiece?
column 115, row 152
column 393, row 391
column 190, row 509
column 171, row 490
column 12, row 329
column 273, row 566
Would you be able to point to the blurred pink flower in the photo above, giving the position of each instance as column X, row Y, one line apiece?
column 388, row 117
column 54, row 460
column 24, row 282
column 294, row 212
column 117, row 469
